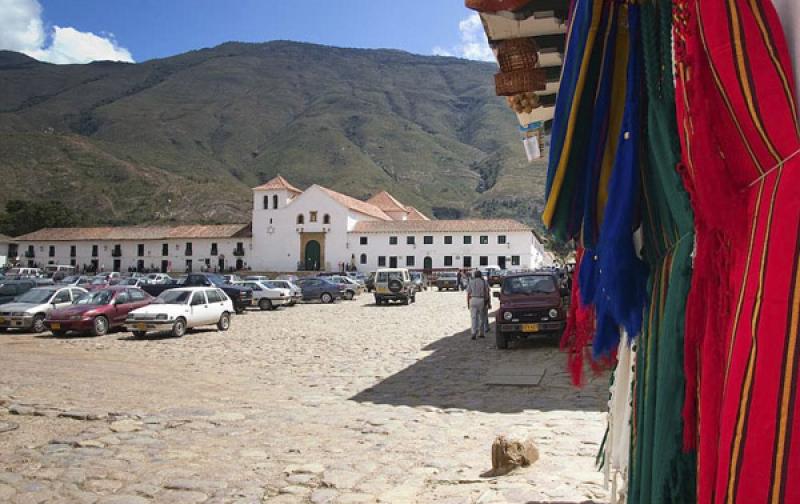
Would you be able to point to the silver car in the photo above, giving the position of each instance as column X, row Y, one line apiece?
column 29, row 310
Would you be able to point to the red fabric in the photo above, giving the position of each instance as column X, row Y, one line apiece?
column 579, row 332
column 736, row 114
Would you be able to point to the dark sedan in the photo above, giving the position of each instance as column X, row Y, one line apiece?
column 98, row 312
column 320, row 289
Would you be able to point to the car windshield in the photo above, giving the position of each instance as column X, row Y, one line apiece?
column 101, row 297
column 36, row 296
column 529, row 284
column 271, row 285
column 99, row 281
column 130, row 281
column 448, row 274
column 173, row 297
column 71, row 279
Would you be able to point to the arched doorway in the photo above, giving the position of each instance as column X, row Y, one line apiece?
column 427, row 263
column 312, row 255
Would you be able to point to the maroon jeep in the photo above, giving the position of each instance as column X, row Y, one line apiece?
column 530, row 304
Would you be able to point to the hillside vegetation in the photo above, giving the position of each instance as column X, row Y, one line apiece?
column 183, row 139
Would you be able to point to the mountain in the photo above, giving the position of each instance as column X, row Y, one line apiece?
column 183, row 139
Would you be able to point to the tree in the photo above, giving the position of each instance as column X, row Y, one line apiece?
column 23, row 217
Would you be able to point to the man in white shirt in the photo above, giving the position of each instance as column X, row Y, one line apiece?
column 477, row 299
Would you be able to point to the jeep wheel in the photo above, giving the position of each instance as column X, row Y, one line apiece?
column 326, row 298
column 395, row 286
column 500, row 339
column 265, row 304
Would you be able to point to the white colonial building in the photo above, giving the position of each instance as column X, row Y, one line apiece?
column 294, row 230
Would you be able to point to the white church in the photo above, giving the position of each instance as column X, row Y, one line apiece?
column 292, row 230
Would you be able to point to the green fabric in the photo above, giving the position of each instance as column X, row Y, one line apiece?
column 659, row 471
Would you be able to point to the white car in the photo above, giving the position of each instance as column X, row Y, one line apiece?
column 29, row 310
column 177, row 310
column 297, row 292
column 159, row 278
column 352, row 287
column 267, row 295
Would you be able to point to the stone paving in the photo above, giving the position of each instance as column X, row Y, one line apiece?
column 343, row 403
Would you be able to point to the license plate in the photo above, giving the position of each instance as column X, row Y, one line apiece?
column 530, row 327
column 55, row 326
column 141, row 326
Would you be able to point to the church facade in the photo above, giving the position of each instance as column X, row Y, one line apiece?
column 294, row 230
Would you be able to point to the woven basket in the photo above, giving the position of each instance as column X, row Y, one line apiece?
column 519, row 81
column 517, row 54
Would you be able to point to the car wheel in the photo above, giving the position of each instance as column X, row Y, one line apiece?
column 59, row 334
column 179, row 328
column 500, row 339
column 265, row 304
column 100, row 326
column 326, row 298
column 349, row 295
column 139, row 334
column 38, row 323
column 224, row 322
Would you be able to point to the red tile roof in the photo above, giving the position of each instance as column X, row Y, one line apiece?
column 387, row 202
column 442, row 226
column 414, row 214
column 278, row 183
column 355, row 204
column 139, row 233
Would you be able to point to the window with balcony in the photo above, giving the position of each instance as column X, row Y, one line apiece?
column 140, row 250
column 410, row 240
column 188, row 250
column 30, row 252
column 73, row 251
column 116, row 251
column 94, row 250
column 52, row 251
column 239, row 250
column 275, row 201
column 266, row 202
column 164, row 249
column 214, row 250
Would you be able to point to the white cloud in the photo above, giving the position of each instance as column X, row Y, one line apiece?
column 22, row 30
column 474, row 44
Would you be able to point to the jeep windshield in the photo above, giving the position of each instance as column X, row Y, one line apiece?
column 386, row 276
column 529, row 284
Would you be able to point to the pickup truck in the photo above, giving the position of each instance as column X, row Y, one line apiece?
column 242, row 297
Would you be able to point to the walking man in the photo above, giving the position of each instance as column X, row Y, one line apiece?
column 477, row 296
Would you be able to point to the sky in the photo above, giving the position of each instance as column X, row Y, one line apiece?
column 80, row 31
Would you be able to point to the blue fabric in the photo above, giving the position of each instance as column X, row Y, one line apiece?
column 576, row 44
column 621, row 276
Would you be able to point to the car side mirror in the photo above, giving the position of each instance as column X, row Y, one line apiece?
column 496, row 294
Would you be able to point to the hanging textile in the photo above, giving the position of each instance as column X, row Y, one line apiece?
column 789, row 14
column 738, row 128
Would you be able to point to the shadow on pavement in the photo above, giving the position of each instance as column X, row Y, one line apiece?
column 454, row 375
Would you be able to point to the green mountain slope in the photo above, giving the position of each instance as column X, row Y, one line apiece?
column 183, row 139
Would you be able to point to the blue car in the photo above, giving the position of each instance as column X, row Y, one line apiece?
column 320, row 288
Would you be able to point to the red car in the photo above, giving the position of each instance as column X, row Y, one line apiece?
column 99, row 282
column 98, row 312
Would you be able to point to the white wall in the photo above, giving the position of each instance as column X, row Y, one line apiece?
column 517, row 244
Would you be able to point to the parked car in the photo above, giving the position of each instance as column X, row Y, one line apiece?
column 351, row 287
column 358, row 276
column 100, row 282
column 177, row 310
column 268, row 296
column 30, row 310
column 420, row 280
column 242, row 297
column 133, row 282
column 256, row 278
column 290, row 278
column 159, row 278
column 394, row 284
column 447, row 280
column 10, row 289
column 76, row 280
column 530, row 304
column 321, row 289
column 19, row 273
column 98, row 312
column 493, row 275
column 232, row 279
column 297, row 292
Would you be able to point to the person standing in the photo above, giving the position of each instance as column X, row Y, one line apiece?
column 477, row 296
column 458, row 279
